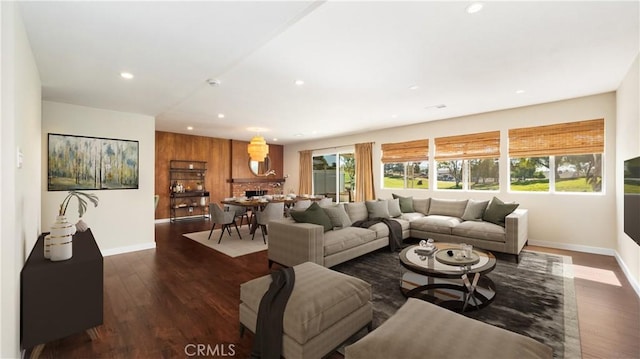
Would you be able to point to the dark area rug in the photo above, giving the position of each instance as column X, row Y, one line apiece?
column 535, row 298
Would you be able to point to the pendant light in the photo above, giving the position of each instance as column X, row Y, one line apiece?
column 258, row 149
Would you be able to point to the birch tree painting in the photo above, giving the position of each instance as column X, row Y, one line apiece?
column 77, row 163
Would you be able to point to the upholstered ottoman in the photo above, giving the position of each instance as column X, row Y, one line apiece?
column 325, row 309
column 423, row 330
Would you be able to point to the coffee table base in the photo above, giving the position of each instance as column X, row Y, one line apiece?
column 448, row 293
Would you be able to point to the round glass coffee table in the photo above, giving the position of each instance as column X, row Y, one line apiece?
column 447, row 281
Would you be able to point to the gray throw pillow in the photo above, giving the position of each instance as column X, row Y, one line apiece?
column 338, row 216
column 475, row 210
column 394, row 207
column 406, row 203
column 498, row 210
column 447, row 207
column 314, row 214
column 377, row 209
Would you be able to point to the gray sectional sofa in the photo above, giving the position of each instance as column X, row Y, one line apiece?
column 457, row 221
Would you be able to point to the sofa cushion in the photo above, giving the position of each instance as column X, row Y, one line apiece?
column 314, row 214
column 411, row 216
column 421, row 205
column 394, row 207
column 436, row 223
column 406, row 203
column 475, row 210
column 345, row 238
column 357, row 211
column 321, row 297
column 447, row 207
column 338, row 216
column 498, row 210
column 420, row 329
column 480, row 230
column 377, row 209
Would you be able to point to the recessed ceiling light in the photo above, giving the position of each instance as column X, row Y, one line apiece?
column 394, row 116
column 190, row 128
column 440, row 106
column 126, row 75
column 221, row 115
column 299, row 82
column 519, row 91
column 213, row 82
column 275, row 139
column 298, row 135
column 414, row 87
column 474, row 7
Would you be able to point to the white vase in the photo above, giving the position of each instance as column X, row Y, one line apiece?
column 61, row 241
column 47, row 246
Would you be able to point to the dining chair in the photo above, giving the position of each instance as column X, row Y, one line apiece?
column 272, row 211
column 325, row 202
column 240, row 212
column 224, row 219
column 299, row 205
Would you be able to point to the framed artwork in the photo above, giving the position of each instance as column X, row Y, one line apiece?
column 91, row 163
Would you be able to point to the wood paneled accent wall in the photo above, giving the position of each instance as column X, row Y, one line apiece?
column 226, row 160
column 240, row 161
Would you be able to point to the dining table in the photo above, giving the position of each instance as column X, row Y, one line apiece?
column 258, row 204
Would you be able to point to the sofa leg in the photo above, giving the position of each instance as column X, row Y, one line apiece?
column 241, row 330
column 517, row 258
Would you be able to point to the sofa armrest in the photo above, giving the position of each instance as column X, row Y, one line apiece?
column 517, row 230
column 292, row 243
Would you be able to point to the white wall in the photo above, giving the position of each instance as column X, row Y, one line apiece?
column 124, row 219
column 19, row 187
column 627, row 146
column 573, row 221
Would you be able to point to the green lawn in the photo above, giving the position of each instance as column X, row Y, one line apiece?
column 448, row 185
column 562, row 185
column 393, row 182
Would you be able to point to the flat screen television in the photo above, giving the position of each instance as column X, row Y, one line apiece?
column 632, row 198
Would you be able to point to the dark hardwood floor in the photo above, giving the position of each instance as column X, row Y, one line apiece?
column 157, row 303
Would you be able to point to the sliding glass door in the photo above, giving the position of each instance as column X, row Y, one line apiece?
column 334, row 176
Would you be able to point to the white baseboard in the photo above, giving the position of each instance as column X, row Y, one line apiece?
column 127, row 249
column 574, row 247
column 627, row 273
column 593, row 250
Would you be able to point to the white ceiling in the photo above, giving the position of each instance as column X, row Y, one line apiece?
column 358, row 60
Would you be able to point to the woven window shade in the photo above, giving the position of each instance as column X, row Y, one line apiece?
column 410, row 151
column 573, row 138
column 477, row 145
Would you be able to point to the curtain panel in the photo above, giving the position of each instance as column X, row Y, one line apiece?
column 365, row 189
column 306, row 173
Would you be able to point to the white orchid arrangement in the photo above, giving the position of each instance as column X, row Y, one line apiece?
column 83, row 201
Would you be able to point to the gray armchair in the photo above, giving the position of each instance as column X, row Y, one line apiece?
column 224, row 219
column 273, row 211
column 239, row 211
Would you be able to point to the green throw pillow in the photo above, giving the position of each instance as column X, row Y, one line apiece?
column 497, row 211
column 475, row 210
column 338, row 216
column 406, row 203
column 314, row 214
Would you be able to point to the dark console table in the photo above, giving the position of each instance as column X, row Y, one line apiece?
column 59, row 299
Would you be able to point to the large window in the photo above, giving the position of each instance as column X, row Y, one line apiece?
column 565, row 157
column 405, row 165
column 334, row 176
column 469, row 162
